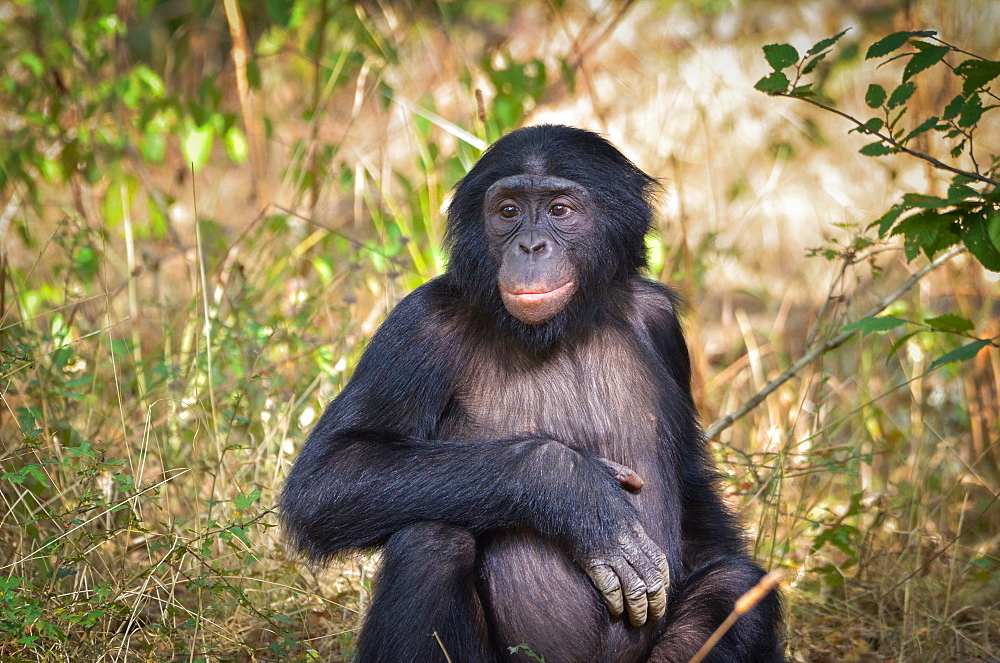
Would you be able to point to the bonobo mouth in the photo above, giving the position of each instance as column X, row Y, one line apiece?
column 532, row 306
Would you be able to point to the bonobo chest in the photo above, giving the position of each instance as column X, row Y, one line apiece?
column 596, row 395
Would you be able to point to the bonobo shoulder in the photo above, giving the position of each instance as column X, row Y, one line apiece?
column 656, row 301
column 419, row 313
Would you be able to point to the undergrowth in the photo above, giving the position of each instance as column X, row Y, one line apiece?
column 168, row 336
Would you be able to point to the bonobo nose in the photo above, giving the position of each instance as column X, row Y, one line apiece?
column 530, row 246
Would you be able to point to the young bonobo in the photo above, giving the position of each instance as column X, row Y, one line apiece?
column 520, row 439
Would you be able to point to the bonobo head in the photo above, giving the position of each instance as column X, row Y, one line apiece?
column 531, row 221
column 543, row 226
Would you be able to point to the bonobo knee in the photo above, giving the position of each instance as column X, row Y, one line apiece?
column 434, row 543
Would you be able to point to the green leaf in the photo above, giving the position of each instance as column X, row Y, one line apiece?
column 950, row 323
column 887, row 44
column 923, row 201
column 954, row 107
column 825, row 44
column 928, row 55
column 870, row 127
column 780, row 56
column 898, row 344
column 958, row 192
column 803, row 91
column 976, row 235
column 157, row 88
column 776, row 83
column 244, row 502
column 901, row 94
column 977, row 73
column 964, row 353
column 196, row 144
column 875, row 95
column 236, row 145
column 923, row 127
column 993, row 228
column 887, row 220
column 808, row 69
column 919, row 231
column 153, row 145
column 971, row 112
column 874, row 325
column 876, row 149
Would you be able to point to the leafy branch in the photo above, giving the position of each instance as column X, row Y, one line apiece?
column 970, row 211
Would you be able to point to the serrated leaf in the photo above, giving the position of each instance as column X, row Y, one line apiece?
column 976, row 235
column 775, row 83
column 875, row 95
column 923, row 127
column 959, row 192
column 803, row 91
column 876, row 149
column 874, row 325
column 920, row 232
column 928, row 55
column 780, row 56
column 887, row 44
column 887, row 220
column 964, row 353
column 950, row 323
column 812, row 64
column 923, row 201
column 901, row 94
column 898, row 344
column 993, row 228
column 870, row 127
column 954, row 107
column 971, row 112
column 977, row 73
column 825, row 43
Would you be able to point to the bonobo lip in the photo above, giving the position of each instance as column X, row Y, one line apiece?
column 532, row 296
column 533, row 307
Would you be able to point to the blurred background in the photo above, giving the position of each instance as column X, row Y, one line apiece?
column 206, row 209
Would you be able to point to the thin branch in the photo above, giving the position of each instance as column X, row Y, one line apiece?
column 838, row 340
column 891, row 141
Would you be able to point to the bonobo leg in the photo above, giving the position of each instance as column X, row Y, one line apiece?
column 703, row 603
column 426, row 586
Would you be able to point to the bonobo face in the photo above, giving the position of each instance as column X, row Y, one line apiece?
column 533, row 223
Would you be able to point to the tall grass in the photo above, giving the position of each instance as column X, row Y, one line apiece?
column 157, row 380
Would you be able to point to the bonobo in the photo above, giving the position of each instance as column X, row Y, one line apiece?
column 519, row 438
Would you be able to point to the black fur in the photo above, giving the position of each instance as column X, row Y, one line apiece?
column 468, row 445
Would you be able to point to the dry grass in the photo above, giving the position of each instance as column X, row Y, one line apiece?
column 184, row 375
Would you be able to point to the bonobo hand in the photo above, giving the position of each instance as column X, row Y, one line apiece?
column 632, row 576
column 626, row 476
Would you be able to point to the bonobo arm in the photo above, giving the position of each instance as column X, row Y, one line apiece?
column 369, row 468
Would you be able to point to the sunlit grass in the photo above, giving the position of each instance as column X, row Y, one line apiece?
column 154, row 391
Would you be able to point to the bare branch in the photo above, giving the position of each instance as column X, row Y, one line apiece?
column 834, row 342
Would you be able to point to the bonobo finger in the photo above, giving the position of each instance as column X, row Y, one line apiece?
column 606, row 581
column 654, row 554
column 657, row 603
column 626, row 476
column 639, row 560
column 634, row 590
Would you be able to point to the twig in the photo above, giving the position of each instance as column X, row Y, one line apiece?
column 441, row 645
column 743, row 606
column 251, row 120
column 755, row 400
column 891, row 141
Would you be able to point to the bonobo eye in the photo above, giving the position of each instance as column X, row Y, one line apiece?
column 559, row 210
column 510, row 212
